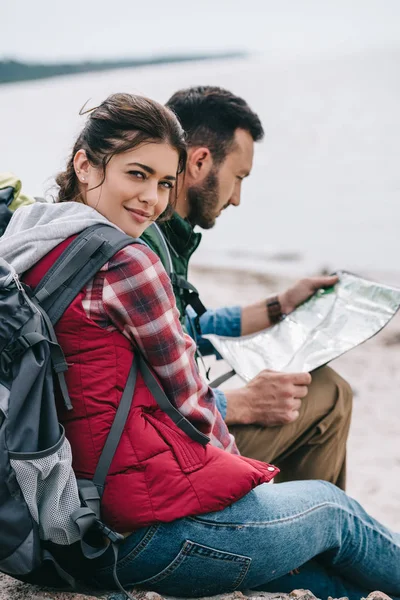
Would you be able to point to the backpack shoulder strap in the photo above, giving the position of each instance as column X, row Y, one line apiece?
column 179, row 283
column 77, row 265
column 166, row 259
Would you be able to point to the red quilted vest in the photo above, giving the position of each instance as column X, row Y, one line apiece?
column 158, row 473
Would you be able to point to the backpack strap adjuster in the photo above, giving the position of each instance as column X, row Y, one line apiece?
column 113, row 536
column 14, row 351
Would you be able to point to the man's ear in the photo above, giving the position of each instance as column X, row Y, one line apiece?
column 199, row 163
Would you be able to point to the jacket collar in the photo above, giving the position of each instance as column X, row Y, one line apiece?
column 181, row 236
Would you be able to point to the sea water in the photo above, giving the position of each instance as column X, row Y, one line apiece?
column 325, row 188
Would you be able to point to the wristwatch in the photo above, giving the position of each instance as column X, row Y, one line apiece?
column 274, row 310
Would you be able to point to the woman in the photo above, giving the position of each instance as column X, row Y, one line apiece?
column 197, row 520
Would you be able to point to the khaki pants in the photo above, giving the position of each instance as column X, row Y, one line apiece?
column 314, row 446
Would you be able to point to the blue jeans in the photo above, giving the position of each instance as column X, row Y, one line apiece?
column 254, row 544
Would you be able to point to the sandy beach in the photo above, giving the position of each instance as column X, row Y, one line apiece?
column 373, row 371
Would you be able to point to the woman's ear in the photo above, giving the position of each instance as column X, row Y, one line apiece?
column 81, row 166
column 199, row 163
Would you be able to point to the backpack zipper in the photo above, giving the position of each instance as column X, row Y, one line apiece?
column 17, row 282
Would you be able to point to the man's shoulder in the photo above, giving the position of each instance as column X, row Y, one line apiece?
column 153, row 237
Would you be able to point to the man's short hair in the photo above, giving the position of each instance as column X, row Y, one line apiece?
column 210, row 116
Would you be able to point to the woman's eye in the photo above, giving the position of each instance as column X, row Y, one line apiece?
column 166, row 184
column 137, row 174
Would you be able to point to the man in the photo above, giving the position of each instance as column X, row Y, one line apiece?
column 298, row 422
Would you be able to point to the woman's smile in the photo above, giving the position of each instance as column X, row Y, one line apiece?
column 138, row 215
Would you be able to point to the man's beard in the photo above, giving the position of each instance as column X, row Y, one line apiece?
column 203, row 202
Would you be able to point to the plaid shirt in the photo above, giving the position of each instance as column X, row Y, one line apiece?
column 132, row 293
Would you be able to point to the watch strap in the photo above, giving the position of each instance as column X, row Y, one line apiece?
column 274, row 310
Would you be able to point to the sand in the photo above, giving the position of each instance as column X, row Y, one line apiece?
column 373, row 450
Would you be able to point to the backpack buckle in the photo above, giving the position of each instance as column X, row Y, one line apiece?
column 14, row 351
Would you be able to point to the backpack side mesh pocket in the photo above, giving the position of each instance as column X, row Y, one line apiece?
column 49, row 487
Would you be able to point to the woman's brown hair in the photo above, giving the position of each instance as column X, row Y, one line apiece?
column 121, row 123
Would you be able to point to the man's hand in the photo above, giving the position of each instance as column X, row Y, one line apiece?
column 302, row 290
column 254, row 317
column 269, row 399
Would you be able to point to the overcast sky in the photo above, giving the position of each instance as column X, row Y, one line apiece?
column 53, row 30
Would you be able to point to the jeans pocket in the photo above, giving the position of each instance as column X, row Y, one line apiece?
column 199, row 570
column 101, row 576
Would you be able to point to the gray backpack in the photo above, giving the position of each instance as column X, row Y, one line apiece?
column 42, row 504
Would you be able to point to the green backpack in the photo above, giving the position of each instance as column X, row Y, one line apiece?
column 11, row 198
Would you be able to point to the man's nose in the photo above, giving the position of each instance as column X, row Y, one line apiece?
column 235, row 198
